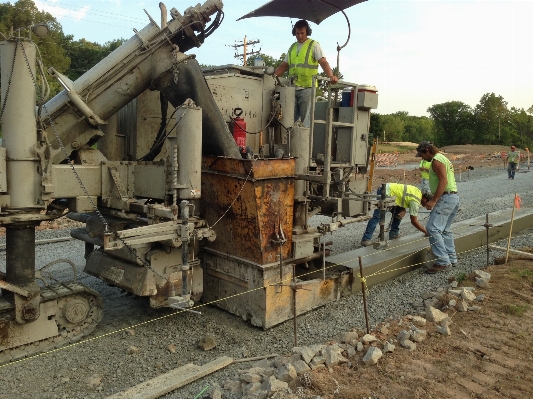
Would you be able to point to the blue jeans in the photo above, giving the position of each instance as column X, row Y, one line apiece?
column 302, row 106
column 438, row 227
column 372, row 223
column 511, row 168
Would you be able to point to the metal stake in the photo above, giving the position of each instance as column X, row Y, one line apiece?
column 364, row 293
column 293, row 287
column 487, row 226
column 324, row 257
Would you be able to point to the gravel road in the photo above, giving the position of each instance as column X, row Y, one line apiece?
column 122, row 352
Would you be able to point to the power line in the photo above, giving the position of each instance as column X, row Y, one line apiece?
column 245, row 44
column 92, row 11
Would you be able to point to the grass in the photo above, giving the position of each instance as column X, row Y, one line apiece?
column 522, row 273
column 461, row 277
column 516, row 310
column 388, row 148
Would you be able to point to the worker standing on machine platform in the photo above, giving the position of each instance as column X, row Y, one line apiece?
column 444, row 206
column 406, row 196
column 512, row 161
column 302, row 61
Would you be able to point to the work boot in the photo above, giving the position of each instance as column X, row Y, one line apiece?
column 436, row 268
column 366, row 243
column 395, row 237
column 455, row 264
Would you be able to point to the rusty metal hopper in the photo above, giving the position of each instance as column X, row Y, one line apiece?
column 256, row 198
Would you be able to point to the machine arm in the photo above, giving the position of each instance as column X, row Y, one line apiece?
column 72, row 118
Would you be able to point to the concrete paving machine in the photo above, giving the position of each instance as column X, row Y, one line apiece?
column 192, row 184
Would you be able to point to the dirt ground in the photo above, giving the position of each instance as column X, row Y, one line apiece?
column 488, row 355
column 464, row 158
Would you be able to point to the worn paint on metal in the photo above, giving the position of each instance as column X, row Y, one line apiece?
column 255, row 200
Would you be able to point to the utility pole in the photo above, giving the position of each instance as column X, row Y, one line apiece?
column 245, row 43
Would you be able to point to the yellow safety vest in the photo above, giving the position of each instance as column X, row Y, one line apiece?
column 302, row 65
column 427, row 165
column 450, row 176
column 512, row 157
column 404, row 194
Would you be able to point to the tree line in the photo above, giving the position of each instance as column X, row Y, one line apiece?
column 491, row 121
column 452, row 122
column 68, row 56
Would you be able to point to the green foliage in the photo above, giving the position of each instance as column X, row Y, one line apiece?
column 460, row 277
column 389, row 148
column 401, row 126
column 525, row 273
column 22, row 15
column 489, row 122
column 58, row 50
column 453, row 123
column 376, row 126
column 323, row 85
column 84, row 55
column 516, row 310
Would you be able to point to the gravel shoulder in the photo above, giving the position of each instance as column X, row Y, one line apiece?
column 106, row 363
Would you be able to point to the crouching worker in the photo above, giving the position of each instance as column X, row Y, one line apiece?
column 405, row 196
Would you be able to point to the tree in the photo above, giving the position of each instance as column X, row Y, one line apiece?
column 376, row 126
column 492, row 120
column 22, row 15
column 453, row 123
column 393, row 128
column 323, row 85
column 267, row 59
column 522, row 124
column 84, row 55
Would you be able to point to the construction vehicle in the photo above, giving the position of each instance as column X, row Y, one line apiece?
column 175, row 207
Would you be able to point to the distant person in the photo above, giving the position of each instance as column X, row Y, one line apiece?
column 512, row 161
column 406, row 196
column 444, row 206
column 424, row 175
column 302, row 61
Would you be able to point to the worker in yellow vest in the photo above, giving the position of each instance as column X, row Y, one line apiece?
column 405, row 196
column 443, row 206
column 424, row 175
column 302, row 61
column 512, row 161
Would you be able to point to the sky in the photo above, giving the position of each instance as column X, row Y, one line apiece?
column 416, row 53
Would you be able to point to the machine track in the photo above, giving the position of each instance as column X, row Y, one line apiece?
column 75, row 309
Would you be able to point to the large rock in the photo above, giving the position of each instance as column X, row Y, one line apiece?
column 388, row 347
column 418, row 335
column 287, row 373
column 408, row 344
column 419, row 321
column 435, row 315
column 349, row 336
column 368, row 338
column 444, row 330
column 372, row 356
column 468, row 295
column 300, row 366
column 482, row 274
column 207, row 343
column 251, row 377
column 274, row 385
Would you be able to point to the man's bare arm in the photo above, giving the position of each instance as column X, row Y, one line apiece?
column 280, row 70
column 327, row 69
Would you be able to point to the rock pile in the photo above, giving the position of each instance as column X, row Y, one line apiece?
column 271, row 378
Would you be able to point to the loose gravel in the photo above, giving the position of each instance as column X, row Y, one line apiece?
column 131, row 345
